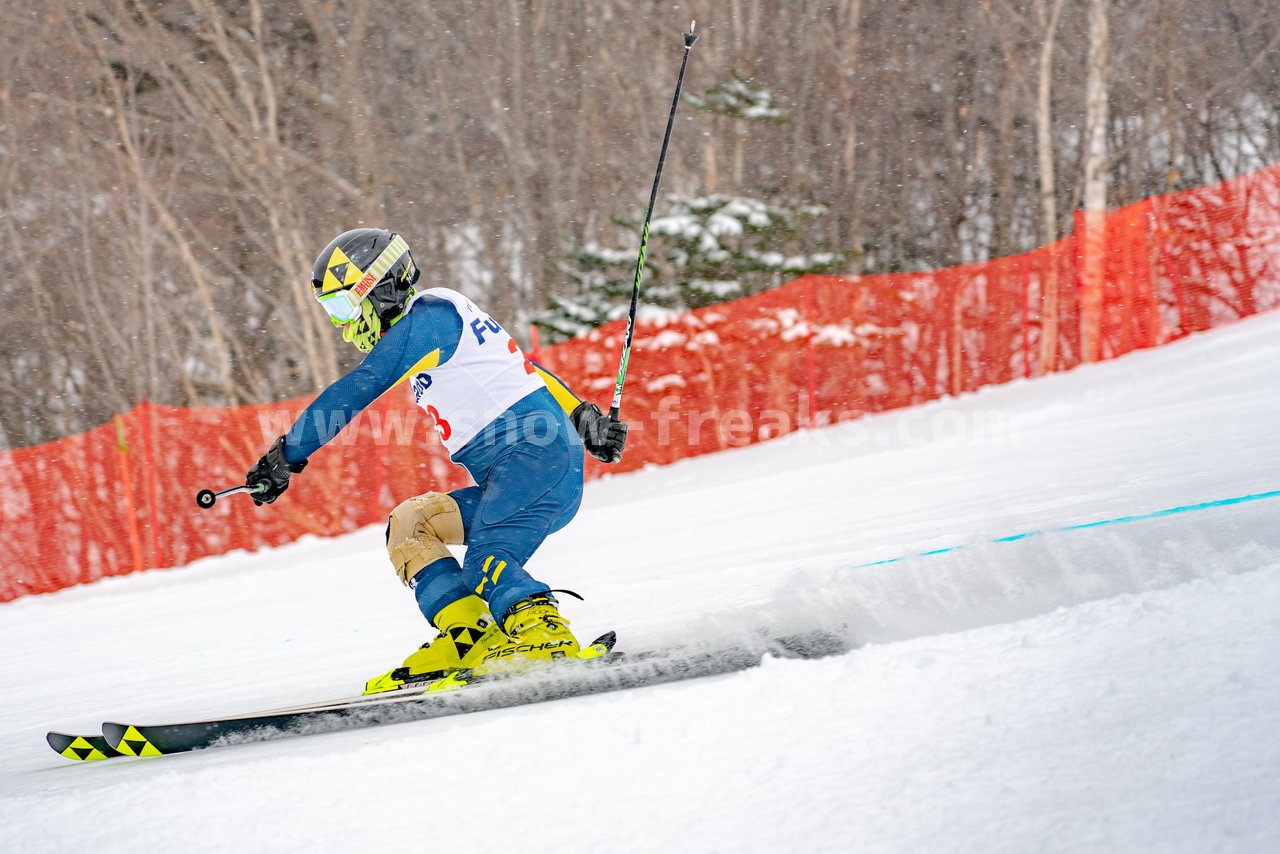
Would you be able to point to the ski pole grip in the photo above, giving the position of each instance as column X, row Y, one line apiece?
column 206, row 498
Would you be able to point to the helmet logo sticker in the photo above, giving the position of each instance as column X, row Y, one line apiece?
column 339, row 272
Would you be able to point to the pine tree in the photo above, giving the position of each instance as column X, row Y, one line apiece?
column 702, row 251
column 739, row 98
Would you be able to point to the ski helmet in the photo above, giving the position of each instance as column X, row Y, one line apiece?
column 363, row 279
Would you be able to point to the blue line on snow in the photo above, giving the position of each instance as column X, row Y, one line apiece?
column 1186, row 508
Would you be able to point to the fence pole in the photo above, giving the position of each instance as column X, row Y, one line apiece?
column 158, row 558
column 811, row 379
column 535, row 351
column 953, row 285
column 135, row 542
column 1025, row 275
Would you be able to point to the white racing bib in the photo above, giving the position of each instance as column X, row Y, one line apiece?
column 486, row 374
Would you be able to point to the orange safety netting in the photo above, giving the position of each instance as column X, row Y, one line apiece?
column 821, row 349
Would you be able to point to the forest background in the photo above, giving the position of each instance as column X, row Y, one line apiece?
column 170, row 169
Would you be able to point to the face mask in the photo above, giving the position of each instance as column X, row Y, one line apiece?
column 365, row 331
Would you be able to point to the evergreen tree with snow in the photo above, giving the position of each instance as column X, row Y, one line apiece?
column 702, row 251
column 740, row 98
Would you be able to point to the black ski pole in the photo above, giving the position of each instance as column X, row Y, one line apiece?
column 205, row 498
column 689, row 39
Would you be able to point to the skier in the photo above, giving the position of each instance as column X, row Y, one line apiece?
column 517, row 429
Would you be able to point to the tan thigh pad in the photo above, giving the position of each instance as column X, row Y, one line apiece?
column 418, row 531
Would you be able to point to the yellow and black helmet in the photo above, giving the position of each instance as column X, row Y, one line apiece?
column 363, row 278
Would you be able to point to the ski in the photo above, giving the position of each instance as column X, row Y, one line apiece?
column 83, row 748
column 465, row 694
column 95, row 747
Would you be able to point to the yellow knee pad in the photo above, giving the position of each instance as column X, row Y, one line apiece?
column 418, row 531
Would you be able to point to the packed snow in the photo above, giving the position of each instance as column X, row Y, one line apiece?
column 1063, row 598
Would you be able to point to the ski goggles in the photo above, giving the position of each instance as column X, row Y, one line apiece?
column 343, row 306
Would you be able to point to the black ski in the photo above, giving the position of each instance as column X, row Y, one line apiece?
column 613, row 672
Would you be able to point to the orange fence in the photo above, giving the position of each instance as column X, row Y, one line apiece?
column 120, row 498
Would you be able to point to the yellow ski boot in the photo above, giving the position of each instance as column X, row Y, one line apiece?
column 537, row 634
column 468, row 633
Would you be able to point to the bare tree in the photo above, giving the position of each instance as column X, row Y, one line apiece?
column 1093, row 240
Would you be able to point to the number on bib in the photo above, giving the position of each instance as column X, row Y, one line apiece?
column 442, row 426
column 528, row 366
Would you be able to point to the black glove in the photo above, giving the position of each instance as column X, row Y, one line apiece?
column 273, row 470
column 603, row 437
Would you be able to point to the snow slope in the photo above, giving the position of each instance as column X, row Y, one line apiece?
column 1024, row 679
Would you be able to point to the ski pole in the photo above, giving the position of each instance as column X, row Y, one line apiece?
column 205, row 498
column 689, row 39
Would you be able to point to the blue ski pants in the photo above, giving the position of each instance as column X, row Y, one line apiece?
column 527, row 466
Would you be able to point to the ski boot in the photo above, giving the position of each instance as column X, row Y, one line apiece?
column 537, row 634
column 468, row 633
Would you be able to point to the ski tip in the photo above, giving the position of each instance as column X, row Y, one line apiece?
column 128, row 740
column 82, row 748
column 599, row 647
